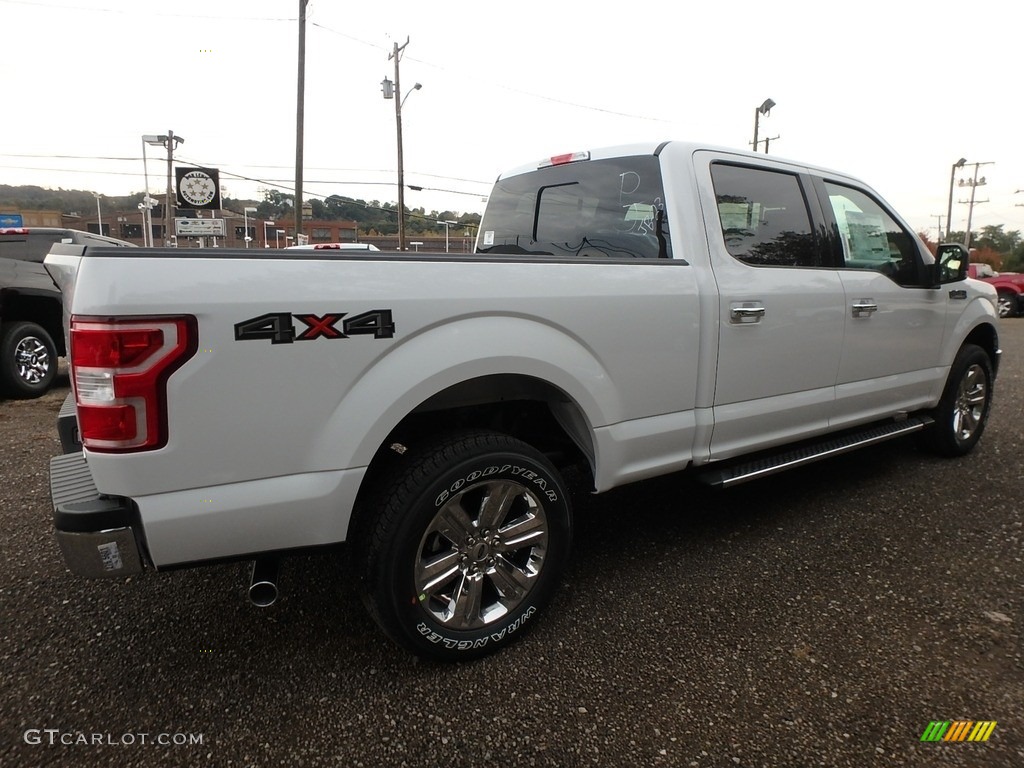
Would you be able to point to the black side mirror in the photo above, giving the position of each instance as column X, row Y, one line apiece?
column 951, row 260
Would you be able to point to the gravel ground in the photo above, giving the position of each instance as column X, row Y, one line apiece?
column 818, row 618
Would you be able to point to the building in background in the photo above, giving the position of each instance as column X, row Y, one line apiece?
column 128, row 225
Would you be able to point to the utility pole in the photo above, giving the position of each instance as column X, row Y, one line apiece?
column 939, row 217
column 397, row 55
column 299, row 111
column 169, row 204
column 394, row 91
column 973, row 184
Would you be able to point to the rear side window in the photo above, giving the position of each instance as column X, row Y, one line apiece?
column 589, row 209
column 764, row 217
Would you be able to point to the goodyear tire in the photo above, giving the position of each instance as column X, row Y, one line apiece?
column 966, row 401
column 28, row 360
column 463, row 548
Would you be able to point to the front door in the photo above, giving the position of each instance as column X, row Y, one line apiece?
column 894, row 319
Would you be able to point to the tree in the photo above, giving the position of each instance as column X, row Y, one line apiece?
column 929, row 243
column 276, row 205
column 1015, row 261
column 993, row 237
column 985, row 255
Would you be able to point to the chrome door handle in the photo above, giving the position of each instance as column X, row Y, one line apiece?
column 746, row 314
column 864, row 308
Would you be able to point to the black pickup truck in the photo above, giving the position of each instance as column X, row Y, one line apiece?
column 31, row 333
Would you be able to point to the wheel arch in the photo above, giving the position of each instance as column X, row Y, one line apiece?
column 986, row 337
column 521, row 406
column 531, row 409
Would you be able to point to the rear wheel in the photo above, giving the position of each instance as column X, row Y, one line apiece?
column 464, row 545
column 28, row 360
column 963, row 410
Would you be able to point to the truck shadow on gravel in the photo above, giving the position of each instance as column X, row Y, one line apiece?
column 672, row 526
column 653, row 543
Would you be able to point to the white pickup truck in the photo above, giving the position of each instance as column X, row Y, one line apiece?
column 635, row 311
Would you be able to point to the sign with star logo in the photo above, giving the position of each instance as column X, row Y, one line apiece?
column 198, row 188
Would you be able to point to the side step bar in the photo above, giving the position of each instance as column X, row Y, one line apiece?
column 745, row 471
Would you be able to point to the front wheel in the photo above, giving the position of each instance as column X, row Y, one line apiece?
column 464, row 545
column 963, row 410
column 1008, row 304
column 28, row 360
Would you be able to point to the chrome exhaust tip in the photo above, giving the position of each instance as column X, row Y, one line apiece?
column 263, row 582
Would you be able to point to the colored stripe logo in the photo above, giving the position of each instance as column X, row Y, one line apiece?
column 958, row 730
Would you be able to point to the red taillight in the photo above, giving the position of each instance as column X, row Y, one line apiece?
column 123, row 349
column 119, row 370
column 107, row 422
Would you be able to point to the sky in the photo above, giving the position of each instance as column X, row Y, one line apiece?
column 893, row 93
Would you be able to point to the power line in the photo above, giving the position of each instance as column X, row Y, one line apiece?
column 146, row 11
column 499, row 85
column 271, row 167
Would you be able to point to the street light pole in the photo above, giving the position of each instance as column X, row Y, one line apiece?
column 446, row 225
column 99, row 216
column 266, row 237
column 764, row 109
column 245, row 214
column 277, row 238
column 949, row 213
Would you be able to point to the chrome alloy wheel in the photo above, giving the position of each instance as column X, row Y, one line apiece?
column 481, row 554
column 971, row 398
column 32, row 360
column 1005, row 304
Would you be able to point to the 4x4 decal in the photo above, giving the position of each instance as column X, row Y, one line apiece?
column 279, row 329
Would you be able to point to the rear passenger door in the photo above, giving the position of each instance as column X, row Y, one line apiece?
column 781, row 310
column 894, row 318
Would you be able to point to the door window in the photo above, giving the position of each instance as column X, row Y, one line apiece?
column 871, row 237
column 764, row 217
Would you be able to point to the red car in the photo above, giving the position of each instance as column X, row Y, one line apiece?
column 1010, row 286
